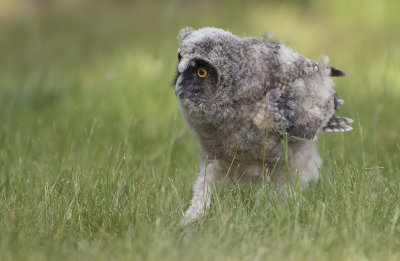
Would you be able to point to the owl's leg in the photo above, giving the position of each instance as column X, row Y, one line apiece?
column 305, row 162
column 303, row 165
column 202, row 192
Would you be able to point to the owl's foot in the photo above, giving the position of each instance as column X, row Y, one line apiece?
column 192, row 214
column 202, row 192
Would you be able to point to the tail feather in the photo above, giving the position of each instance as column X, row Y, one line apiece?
column 338, row 124
column 334, row 72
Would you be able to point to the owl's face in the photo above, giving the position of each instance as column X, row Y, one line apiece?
column 196, row 80
column 206, row 58
column 212, row 67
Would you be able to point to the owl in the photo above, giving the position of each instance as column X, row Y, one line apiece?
column 256, row 107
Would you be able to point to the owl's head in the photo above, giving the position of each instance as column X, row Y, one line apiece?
column 210, row 61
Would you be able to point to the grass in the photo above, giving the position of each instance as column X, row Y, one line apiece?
column 96, row 161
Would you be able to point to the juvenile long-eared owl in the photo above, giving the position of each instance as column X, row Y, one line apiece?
column 241, row 96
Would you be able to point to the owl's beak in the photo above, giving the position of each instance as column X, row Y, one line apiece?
column 178, row 86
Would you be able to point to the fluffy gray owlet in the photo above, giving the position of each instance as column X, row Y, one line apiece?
column 242, row 97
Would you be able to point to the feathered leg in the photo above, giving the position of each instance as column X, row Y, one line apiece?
column 304, row 162
column 202, row 192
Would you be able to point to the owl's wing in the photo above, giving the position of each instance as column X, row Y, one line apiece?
column 288, row 117
column 306, row 105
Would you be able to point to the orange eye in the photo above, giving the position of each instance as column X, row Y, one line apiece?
column 201, row 72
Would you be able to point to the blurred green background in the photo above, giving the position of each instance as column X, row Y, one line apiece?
column 95, row 156
column 81, row 60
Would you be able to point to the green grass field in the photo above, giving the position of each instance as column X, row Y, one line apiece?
column 97, row 163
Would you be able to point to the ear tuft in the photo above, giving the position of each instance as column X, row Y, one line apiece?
column 184, row 33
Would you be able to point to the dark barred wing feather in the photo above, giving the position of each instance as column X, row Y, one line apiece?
column 338, row 124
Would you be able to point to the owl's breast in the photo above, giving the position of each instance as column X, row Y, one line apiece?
column 232, row 131
column 243, row 144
